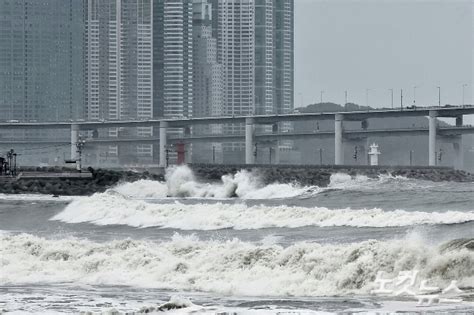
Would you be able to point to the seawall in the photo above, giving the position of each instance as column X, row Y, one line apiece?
column 49, row 181
column 319, row 175
column 98, row 181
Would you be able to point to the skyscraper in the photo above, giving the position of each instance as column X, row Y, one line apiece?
column 236, row 52
column 173, row 58
column 119, row 71
column 274, row 51
column 255, row 47
column 208, row 75
column 41, row 70
column 41, row 60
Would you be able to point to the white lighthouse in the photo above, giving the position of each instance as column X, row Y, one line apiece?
column 374, row 154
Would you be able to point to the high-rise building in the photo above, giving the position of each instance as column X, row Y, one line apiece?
column 41, row 60
column 255, row 47
column 236, row 52
column 173, row 58
column 41, row 70
column 120, row 72
column 208, row 78
column 173, row 63
column 274, row 66
column 274, row 51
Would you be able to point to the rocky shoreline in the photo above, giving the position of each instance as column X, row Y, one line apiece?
column 102, row 179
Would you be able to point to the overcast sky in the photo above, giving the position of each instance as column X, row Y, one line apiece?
column 356, row 45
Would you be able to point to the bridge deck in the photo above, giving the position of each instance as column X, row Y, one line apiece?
column 446, row 111
column 442, row 131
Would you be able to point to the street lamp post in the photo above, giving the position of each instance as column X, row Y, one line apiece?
column 463, row 94
column 391, row 90
column 414, row 95
column 80, row 146
column 401, row 99
column 367, row 98
column 14, row 164
column 439, row 96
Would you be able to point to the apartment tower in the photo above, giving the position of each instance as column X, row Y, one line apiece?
column 119, row 73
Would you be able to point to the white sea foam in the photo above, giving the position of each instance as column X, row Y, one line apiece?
column 229, row 267
column 181, row 182
column 110, row 209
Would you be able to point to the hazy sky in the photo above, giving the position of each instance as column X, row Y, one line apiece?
column 378, row 45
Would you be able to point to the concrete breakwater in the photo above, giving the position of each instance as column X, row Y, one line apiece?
column 320, row 175
column 99, row 181
column 102, row 179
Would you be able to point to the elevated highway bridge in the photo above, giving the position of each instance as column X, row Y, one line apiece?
column 250, row 136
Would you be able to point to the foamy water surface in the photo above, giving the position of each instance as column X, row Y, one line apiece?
column 236, row 245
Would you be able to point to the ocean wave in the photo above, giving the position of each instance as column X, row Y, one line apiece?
column 229, row 267
column 181, row 183
column 112, row 209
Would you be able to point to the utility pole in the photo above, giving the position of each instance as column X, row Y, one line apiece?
column 391, row 90
column 367, row 98
column 320, row 156
column 439, row 96
column 414, row 95
column 463, row 94
column 213, row 154
column 401, row 99
column 411, row 157
column 14, row 163
column 322, row 92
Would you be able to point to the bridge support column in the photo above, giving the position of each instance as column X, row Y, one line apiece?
column 432, row 138
column 249, row 141
column 74, row 139
column 163, row 143
column 338, row 145
column 458, row 146
column 277, row 152
column 458, row 153
column 276, row 159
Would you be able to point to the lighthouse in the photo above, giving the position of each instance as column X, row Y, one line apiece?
column 374, row 154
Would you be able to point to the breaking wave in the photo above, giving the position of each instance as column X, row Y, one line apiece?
column 230, row 267
column 111, row 209
column 181, row 183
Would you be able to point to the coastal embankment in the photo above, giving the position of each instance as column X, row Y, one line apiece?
column 63, row 181
column 319, row 175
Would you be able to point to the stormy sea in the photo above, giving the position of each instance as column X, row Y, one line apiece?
column 241, row 247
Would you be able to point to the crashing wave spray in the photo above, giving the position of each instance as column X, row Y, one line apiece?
column 181, row 182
